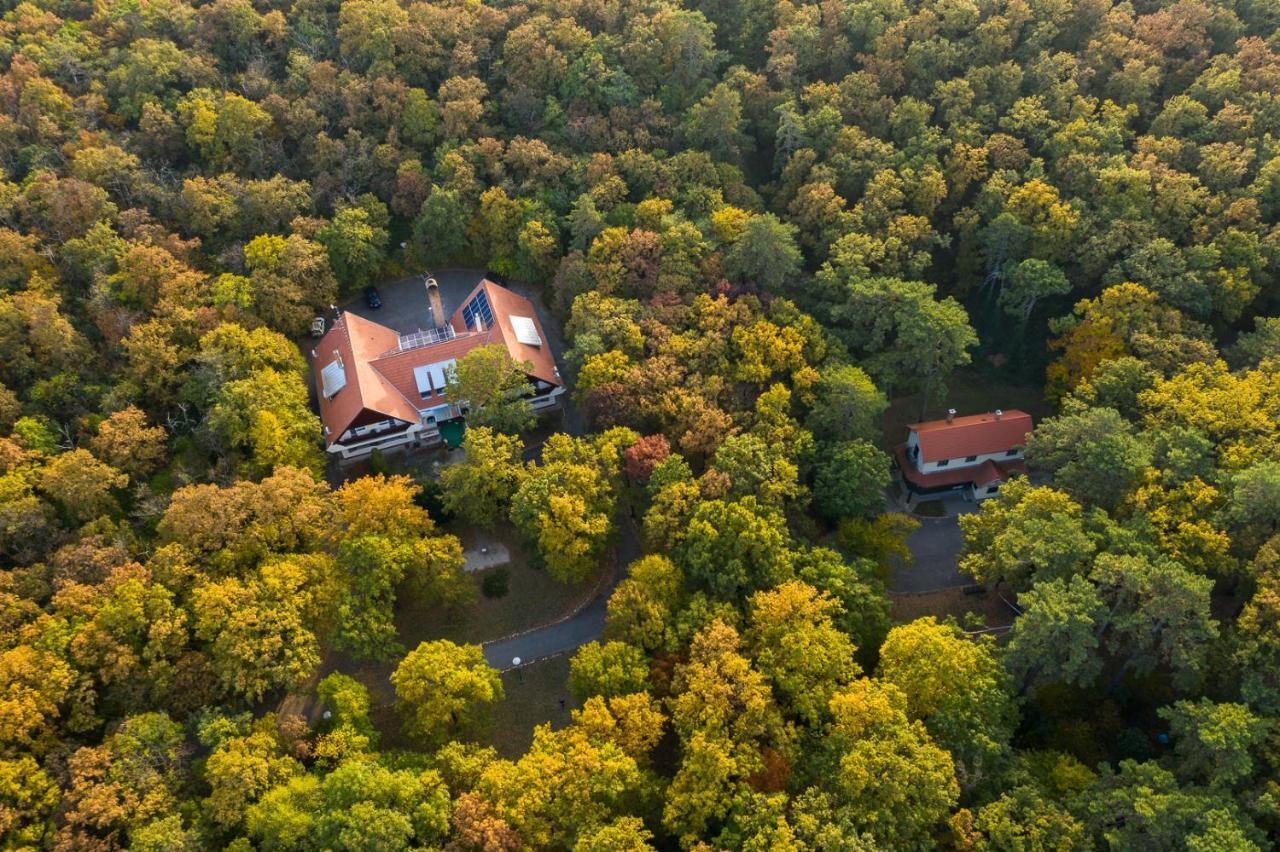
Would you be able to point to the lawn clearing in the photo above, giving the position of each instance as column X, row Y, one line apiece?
column 533, row 598
column 533, row 697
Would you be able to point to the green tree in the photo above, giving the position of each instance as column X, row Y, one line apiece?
column 850, row 479
column 799, row 649
column 1027, row 533
column 1094, row 455
column 1213, row 742
column 564, row 506
column 611, row 669
column 908, row 338
column 494, row 387
column 735, row 548
column 959, row 689
column 443, row 688
column 764, row 253
column 440, row 227
column 643, row 607
column 1141, row 806
column 479, row 488
column 890, row 780
column 1057, row 636
column 1031, row 280
column 268, row 414
column 356, row 243
column 1024, row 819
column 848, row 406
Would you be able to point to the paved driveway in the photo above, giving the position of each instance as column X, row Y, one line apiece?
column 936, row 548
column 404, row 302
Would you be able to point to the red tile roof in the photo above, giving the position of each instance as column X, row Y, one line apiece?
column 506, row 305
column 980, row 475
column 972, row 435
column 380, row 376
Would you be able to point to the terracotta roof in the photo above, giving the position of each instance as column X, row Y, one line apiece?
column 980, row 475
column 507, row 304
column 972, row 435
column 380, row 377
column 356, row 342
column 397, row 368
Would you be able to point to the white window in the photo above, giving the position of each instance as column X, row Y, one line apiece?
column 371, row 428
column 432, row 376
column 944, row 462
column 423, row 379
column 333, row 378
column 526, row 331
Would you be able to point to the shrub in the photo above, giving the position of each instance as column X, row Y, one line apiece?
column 496, row 583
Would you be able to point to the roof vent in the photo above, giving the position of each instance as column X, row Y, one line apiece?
column 951, row 414
column 999, row 413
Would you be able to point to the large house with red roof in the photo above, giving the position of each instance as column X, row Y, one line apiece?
column 380, row 389
column 973, row 455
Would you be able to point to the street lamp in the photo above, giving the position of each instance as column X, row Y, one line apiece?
column 515, row 662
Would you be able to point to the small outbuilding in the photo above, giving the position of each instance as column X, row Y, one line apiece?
column 972, row 455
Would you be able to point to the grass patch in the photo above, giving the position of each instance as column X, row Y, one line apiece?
column 533, row 598
column 533, row 698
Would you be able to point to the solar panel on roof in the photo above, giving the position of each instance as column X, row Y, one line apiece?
column 478, row 309
column 333, row 378
column 526, row 331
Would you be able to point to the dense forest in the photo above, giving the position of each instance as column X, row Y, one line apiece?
column 759, row 223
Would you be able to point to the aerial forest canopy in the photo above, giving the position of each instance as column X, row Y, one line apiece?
column 761, row 226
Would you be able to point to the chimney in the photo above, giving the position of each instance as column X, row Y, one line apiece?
column 951, row 414
column 434, row 306
column 999, row 413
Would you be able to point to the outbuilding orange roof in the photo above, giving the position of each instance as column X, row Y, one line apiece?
column 978, row 475
column 972, row 435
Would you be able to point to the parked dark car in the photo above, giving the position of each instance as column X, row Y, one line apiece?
column 372, row 297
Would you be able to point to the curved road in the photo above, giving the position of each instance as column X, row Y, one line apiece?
column 578, row 629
